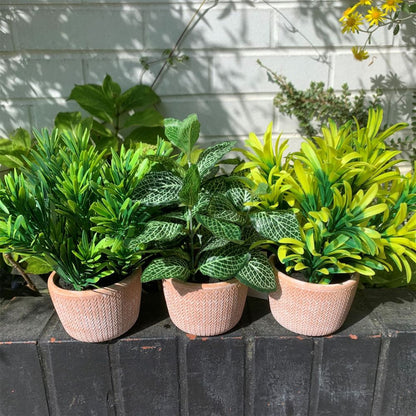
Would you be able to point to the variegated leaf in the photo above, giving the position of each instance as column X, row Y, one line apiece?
column 160, row 231
column 275, row 225
column 166, row 268
column 223, row 263
column 258, row 273
column 222, row 229
column 158, row 188
column 222, row 208
column 212, row 155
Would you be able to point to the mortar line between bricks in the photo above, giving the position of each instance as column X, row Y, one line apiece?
column 113, row 391
column 249, row 376
column 44, row 377
column 181, row 345
column 315, row 376
column 380, row 378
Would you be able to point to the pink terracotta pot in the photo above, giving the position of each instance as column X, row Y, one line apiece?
column 309, row 308
column 205, row 309
column 98, row 315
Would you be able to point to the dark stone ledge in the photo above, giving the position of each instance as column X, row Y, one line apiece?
column 257, row 369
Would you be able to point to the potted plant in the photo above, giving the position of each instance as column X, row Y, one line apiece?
column 72, row 210
column 356, row 213
column 202, row 241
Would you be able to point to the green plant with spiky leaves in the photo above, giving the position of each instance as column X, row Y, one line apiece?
column 204, row 230
column 356, row 210
column 73, row 210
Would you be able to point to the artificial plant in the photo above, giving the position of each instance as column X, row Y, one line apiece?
column 203, row 230
column 355, row 208
column 72, row 209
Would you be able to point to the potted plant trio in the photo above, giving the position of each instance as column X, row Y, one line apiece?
column 356, row 214
column 72, row 209
column 202, row 242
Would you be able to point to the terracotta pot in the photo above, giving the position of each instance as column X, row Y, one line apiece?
column 205, row 309
column 310, row 308
column 98, row 315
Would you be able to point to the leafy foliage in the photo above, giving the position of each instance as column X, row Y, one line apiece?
column 72, row 209
column 314, row 106
column 356, row 210
column 116, row 117
column 15, row 148
column 205, row 220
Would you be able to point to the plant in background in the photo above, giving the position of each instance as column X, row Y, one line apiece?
column 316, row 105
column 116, row 117
column 368, row 16
column 204, row 230
column 356, row 210
column 72, row 209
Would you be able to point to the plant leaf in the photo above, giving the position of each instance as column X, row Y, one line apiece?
column 189, row 192
column 258, row 273
column 183, row 134
column 221, row 229
column 137, row 97
column 166, row 268
column 158, row 188
column 274, row 225
column 147, row 118
column 223, row 263
column 212, row 155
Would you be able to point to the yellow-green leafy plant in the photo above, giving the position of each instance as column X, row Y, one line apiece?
column 355, row 208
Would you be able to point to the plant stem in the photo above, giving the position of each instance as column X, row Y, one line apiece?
column 25, row 276
column 177, row 44
column 191, row 239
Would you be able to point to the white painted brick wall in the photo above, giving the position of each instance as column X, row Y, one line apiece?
column 47, row 46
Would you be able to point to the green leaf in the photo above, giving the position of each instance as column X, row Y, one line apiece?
column 258, row 273
column 158, row 188
column 35, row 265
column 221, row 229
column 183, row 134
column 212, row 155
column 396, row 30
column 166, row 268
column 67, row 120
column 92, row 98
column 274, row 225
column 111, row 89
column 160, row 231
column 412, row 8
column 144, row 134
column 147, row 118
column 223, row 263
column 189, row 193
column 139, row 96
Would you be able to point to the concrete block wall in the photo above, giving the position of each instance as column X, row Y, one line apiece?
column 47, row 46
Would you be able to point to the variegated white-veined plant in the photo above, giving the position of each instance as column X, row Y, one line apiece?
column 203, row 231
column 355, row 208
column 72, row 209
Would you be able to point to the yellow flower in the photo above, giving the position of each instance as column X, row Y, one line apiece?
column 391, row 5
column 352, row 23
column 360, row 54
column 375, row 16
column 364, row 3
column 347, row 13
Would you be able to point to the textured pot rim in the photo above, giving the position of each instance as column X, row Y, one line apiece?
column 204, row 286
column 315, row 287
column 53, row 277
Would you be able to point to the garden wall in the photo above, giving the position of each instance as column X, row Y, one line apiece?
column 47, row 46
column 258, row 369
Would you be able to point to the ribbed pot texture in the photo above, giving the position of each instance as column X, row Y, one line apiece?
column 309, row 308
column 205, row 309
column 98, row 315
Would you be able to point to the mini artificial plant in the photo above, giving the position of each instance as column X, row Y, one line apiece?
column 203, row 230
column 72, row 209
column 355, row 208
